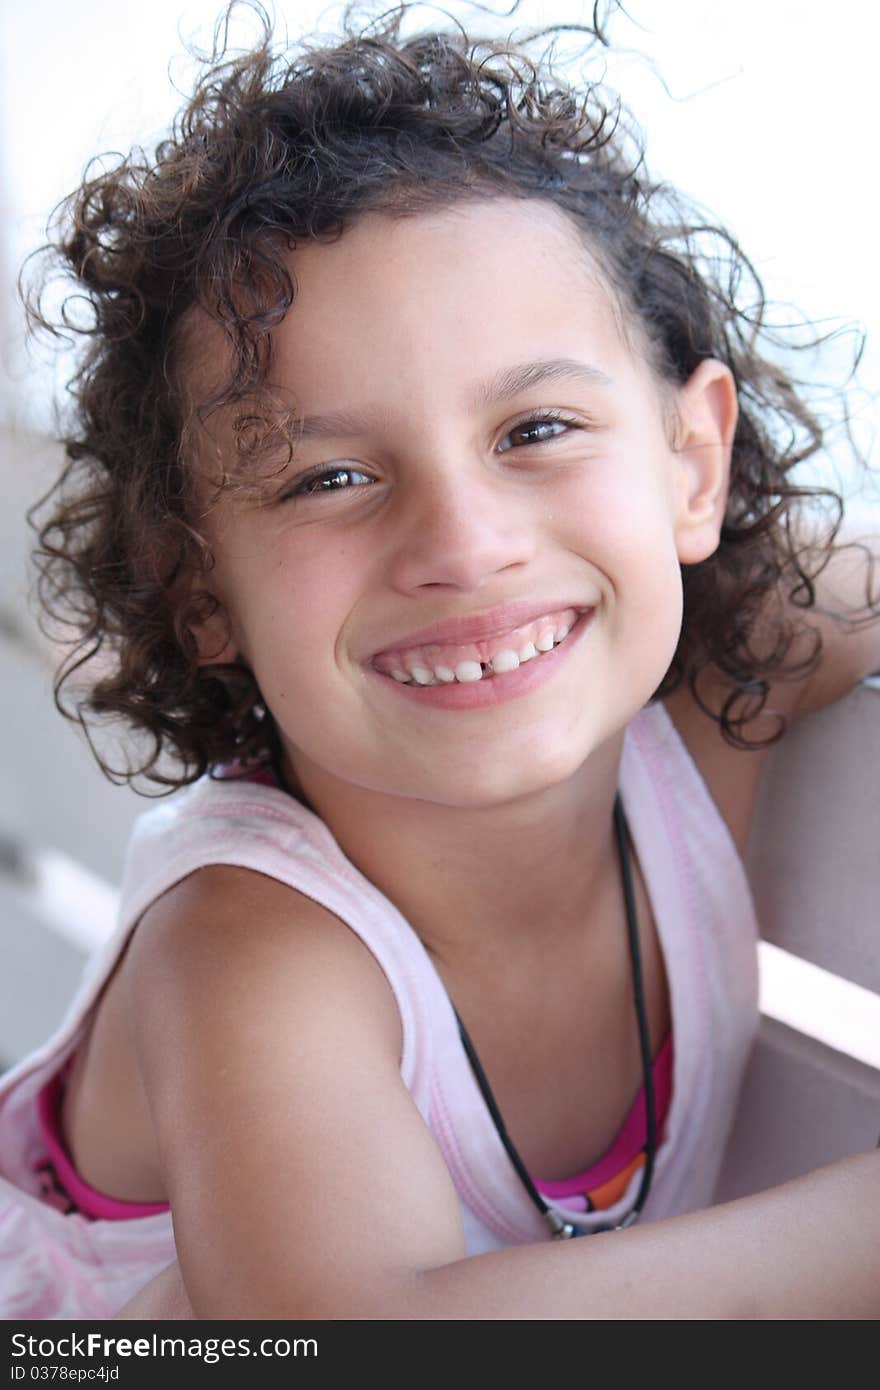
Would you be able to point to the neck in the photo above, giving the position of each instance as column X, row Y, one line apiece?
column 475, row 881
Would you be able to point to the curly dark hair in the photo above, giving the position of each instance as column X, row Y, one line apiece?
column 281, row 146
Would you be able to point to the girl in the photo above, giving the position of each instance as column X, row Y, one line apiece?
column 430, row 502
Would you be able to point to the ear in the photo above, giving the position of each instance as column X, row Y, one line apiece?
column 209, row 624
column 707, row 414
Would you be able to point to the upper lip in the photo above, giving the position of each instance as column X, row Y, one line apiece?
column 479, row 627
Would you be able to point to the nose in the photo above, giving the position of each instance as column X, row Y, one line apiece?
column 458, row 529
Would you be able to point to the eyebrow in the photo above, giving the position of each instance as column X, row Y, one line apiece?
column 508, row 382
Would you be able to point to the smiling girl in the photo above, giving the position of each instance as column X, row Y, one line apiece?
column 434, row 501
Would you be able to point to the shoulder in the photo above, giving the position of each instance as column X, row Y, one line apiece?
column 224, row 854
column 846, row 618
column 210, row 813
column 841, row 630
column 227, row 934
column 221, row 957
column 732, row 775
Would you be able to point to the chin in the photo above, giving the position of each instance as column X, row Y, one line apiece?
column 484, row 787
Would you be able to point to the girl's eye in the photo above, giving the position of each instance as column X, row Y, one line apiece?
column 329, row 480
column 539, row 430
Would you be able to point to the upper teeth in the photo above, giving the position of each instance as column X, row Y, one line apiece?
column 468, row 671
column 506, row 660
column 465, row 671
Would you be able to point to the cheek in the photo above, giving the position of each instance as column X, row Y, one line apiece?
column 623, row 525
column 620, row 519
column 291, row 624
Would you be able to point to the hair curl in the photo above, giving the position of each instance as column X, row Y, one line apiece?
column 280, row 147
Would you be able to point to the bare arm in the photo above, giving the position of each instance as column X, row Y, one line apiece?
column 760, row 1257
column 306, row 1185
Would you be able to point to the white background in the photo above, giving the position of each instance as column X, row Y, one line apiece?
column 764, row 110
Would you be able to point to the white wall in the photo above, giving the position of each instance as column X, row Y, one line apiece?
column 767, row 116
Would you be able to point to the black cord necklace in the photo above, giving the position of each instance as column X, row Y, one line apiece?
column 563, row 1230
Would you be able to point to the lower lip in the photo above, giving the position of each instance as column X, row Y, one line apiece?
column 493, row 690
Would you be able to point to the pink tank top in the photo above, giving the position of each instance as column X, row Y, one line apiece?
column 594, row 1189
column 55, row 1265
column 60, row 1183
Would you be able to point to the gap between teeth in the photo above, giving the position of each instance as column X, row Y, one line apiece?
column 468, row 671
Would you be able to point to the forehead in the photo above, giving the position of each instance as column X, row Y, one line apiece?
column 403, row 322
column 441, row 297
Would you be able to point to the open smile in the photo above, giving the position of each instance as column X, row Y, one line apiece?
column 445, row 663
column 472, row 675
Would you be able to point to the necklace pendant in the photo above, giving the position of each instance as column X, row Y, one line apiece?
column 562, row 1230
